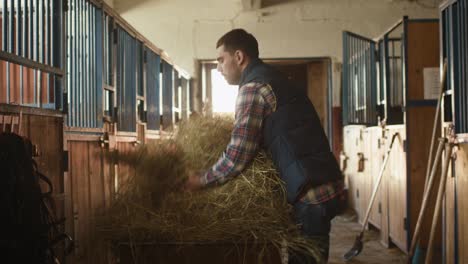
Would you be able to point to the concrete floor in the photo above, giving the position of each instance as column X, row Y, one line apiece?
column 344, row 232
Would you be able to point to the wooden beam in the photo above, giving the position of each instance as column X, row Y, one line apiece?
column 250, row 5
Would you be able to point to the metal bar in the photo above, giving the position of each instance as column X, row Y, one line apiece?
column 94, row 80
column 45, row 32
column 361, row 82
column 31, row 30
column 92, row 64
column 86, row 73
column 462, row 72
column 37, row 30
column 79, row 84
column 105, row 50
column 352, row 75
column 32, row 40
column 91, row 67
column 11, row 26
column 75, row 62
column 350, row 81
column 345, row 82
column 81, row 57
column 69, row 65
column 463, row 63
column 18, row 27
column 46, row 45
column 20, row 43
column 25, row 28
column 4, row 26
column 50, row 41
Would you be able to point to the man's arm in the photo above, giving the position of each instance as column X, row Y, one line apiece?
column 252, row 106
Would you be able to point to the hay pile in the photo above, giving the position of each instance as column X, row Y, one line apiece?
column 151, row 206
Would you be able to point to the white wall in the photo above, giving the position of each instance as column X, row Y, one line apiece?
column 188, row 29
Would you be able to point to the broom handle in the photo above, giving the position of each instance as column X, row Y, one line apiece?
column 440, row 196
column 434, row 126
column 374, row 192
column 425, row 200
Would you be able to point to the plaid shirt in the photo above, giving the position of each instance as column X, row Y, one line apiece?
column 254, row 103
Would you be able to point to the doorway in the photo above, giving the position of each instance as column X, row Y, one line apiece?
column 312, row 74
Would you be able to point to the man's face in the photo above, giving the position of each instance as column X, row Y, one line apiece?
column 229, row 65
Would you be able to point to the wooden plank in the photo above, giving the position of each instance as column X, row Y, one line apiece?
column 337, row 129
column 317, row 89
column 449, row 219
column 352, row 145
column 91, row 188
column 33, row 111
column 461, row 171
column 395, row 175
column 3, row 87
column 97, row 198
column 423, row 51
column 375, row 160
column 79, row 172
column 419, row 130
column 28, row 82
column 29, row 63
column 365, row 179
column 124, row 171
column 15, row 84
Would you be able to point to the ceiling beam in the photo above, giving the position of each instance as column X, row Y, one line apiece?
column 250, row 5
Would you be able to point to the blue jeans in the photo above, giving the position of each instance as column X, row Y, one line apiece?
column 314, row 221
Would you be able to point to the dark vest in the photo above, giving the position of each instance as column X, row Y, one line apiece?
column 293, row 134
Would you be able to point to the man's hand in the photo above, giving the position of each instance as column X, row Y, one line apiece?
column 193, row 182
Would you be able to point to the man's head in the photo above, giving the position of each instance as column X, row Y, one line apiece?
column 235, row 51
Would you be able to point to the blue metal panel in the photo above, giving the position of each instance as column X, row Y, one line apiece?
column 359, row 80
column 98, row 22
column 454, row 40
column 139, row 68
column 126, row 81
column 152, row 89
column 84, row 85
column 167, row 94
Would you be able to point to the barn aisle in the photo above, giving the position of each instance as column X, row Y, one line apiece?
column 344, row 231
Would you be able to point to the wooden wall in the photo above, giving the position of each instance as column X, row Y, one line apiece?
column 91, row 183
column 45, row 130
column 423, row 52
column 90, row 189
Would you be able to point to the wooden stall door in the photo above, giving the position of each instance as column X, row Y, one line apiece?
column 423, row 52
column 365, row 177
column 396, row 177
column 375, row 153
column 90, row 184
column 352, row 146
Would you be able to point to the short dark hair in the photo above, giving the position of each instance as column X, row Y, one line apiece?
column 239, row 39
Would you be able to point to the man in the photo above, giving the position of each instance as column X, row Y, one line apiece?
column 273, row 114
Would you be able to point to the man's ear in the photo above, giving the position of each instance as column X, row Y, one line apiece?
column 240, row 57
